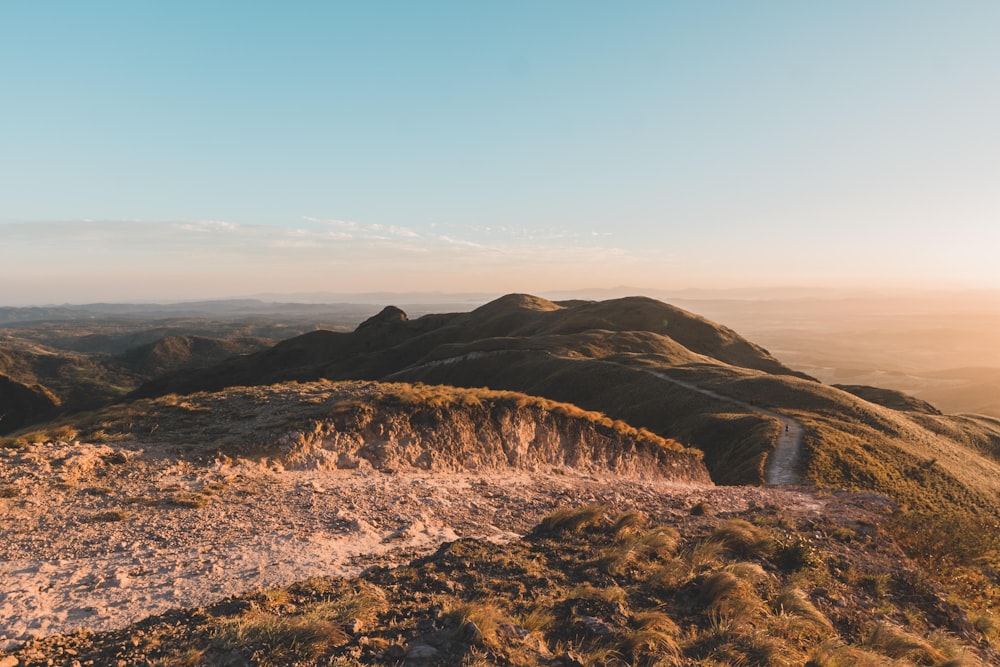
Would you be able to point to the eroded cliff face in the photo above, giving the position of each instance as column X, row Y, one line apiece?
column 491, row 436
column 360, row 425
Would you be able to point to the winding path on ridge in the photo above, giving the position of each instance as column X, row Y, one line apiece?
column 783, row 466
column 784, row 462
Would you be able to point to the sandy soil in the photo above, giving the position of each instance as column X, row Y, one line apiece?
column 97, row 537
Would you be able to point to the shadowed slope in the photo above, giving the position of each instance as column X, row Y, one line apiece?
column 388, row 342
column 21, row 404
column 172, row 353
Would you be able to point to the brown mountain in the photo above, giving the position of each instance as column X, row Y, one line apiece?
column 389, row 342
column 172, row 353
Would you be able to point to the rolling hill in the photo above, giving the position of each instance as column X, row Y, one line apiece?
column 658, row 367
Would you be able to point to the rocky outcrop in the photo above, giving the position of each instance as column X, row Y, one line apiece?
column 487, row 434
column 388, row 427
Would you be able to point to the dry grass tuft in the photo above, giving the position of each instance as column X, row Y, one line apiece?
column 834, row 653
column 628, row 524
column 190, row 657
column 654, row 634
column 749, row 572
column 720, row 585
column 478, row 621
column 744, row 539
column 591, row 592
column 281, row 640
column 571, row 519
column 895, row 642
column 641, row 549
column 794, row 602
column 363, row 603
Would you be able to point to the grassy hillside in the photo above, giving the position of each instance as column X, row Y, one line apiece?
column 173, row 353
column 618, row 357
column 389, row 342
column 81, row 380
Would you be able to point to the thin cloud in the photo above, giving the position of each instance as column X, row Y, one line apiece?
column 460, row 242
column 209, row 226
column 193, row 258
column 373, row 230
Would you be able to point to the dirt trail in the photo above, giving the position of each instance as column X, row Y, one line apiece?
column 784, row 463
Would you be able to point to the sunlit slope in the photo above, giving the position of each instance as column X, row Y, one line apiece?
column 926, row 461
column 387, row 427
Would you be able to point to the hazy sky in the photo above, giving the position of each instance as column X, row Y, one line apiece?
column 170, row 150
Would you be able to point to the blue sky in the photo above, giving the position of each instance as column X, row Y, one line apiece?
column 172, row 150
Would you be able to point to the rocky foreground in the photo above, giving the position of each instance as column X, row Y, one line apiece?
column 346, row 523
column 699, row 576
column 181, row 502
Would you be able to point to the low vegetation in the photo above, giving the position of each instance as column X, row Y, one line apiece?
column 588, row 588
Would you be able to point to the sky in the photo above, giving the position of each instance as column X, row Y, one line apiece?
column 187, row 150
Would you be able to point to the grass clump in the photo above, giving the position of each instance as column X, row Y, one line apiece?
column 654, row 635
column 16, row 443
column 893, row 641
column 744, row 539
column 477, row 621
column 639, row 550
column 357, row 605
column 571, row 520
column 188, row 499
column 796, row 604
column 276, row 640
